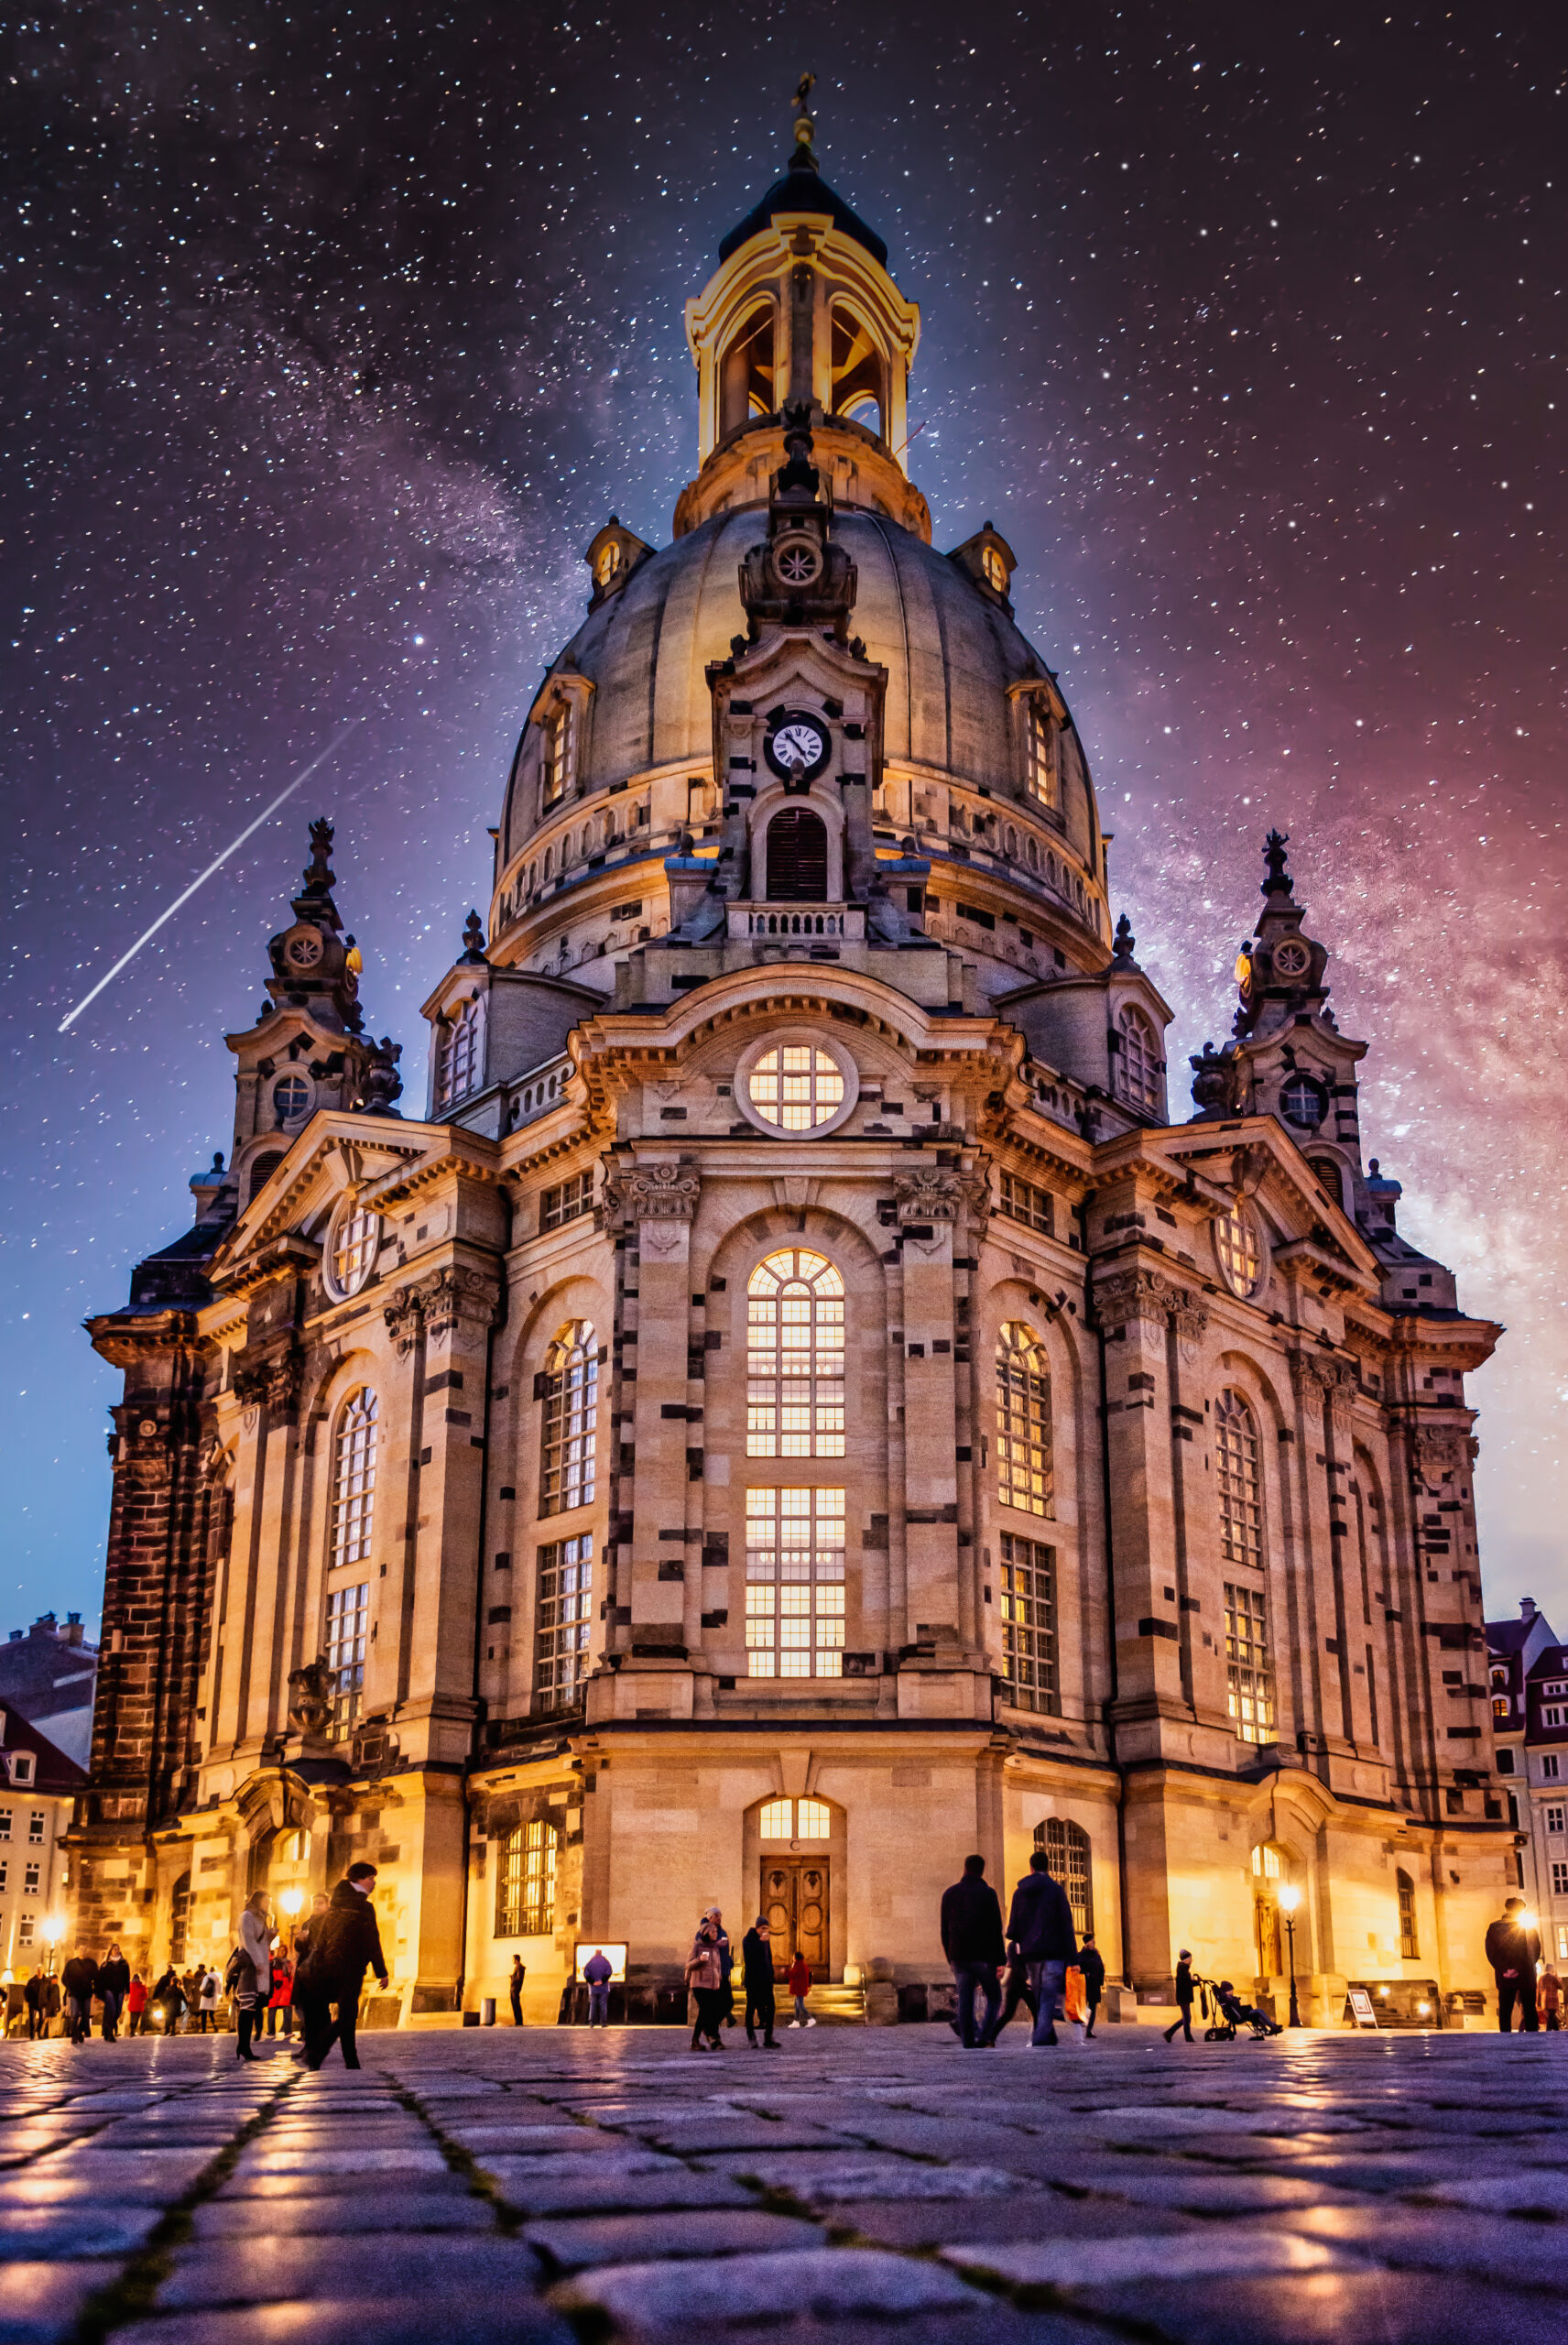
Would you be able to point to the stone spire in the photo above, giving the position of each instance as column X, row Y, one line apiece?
column 315, row 966
column 1281, row 973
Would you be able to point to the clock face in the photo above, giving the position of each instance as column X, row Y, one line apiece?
column 798, row 747
column 304, row 950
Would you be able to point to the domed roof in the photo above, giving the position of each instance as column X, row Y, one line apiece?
column 802, row 188
column 951, row 653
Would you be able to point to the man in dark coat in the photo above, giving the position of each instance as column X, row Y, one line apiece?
column 1092, row 1963
column 598, row 1971
column 514, row 1989
column 112, row 1985
column 1040, row 1925
column 33, row 1996
column 1514, row 1953
column 757, row 1974
column 79, row 1979
column 1185, row 1993
column 345, row 1944
column 972, row 1941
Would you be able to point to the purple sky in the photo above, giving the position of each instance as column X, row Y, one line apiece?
column 341, row 333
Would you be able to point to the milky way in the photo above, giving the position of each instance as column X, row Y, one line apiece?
column 333, row 336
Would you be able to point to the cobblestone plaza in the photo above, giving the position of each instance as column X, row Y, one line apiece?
column 553, row 2185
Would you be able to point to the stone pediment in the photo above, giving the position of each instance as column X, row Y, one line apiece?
column 334, row 1155
column 1256, row 1157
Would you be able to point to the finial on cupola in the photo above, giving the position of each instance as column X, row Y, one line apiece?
column 1124, row 939
column 803, row 160
column 472, row 939
column 1278, row 882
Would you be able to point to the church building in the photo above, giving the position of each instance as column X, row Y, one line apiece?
column 803, row 1402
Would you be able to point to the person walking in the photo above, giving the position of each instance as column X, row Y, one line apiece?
column 703, row 1978
column 1186, row 1992
column 1092, row 1963
column 191, row 1988
column 727, row 1978
column 136, row 2006
column 972, row 1941
column 345, row 1944
column 250, row 1972
column 169, row 1998
column 1040, row 1925
column 1015, row 1989
column 1514, row 1951
column 113, row 1985
column 515, row 1987
column 282, row 1996
column 79, row 1979
column 598, row 1970
column 311, row 1923
column 1549, row 1999
column 798, row 1982
column 33, row 1997
column 209, row 1994
column 756, row 1977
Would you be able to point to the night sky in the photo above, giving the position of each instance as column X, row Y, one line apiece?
column 334, row 334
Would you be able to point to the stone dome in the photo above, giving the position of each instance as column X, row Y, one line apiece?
column 951, row 652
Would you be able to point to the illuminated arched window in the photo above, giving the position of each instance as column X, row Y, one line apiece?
column 355, row 1242
column 1249, row 1669
column 178, row 1918
column 857, row 371
column 747, row 371
column 1239, row 1249
column 1040, row 755
column 1410, row 1945
column 558, row 728
column 795, row 1357
column 462, row 1053
column 1138, row 1075
column 1240, row 1481
column 525, row 1881
column 354, row 1481
column 1067, row 1854
column 570, row 1391
column 797, row 1087
column 1023, row 1420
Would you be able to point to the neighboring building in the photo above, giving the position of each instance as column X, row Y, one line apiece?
column 796, row 1409
column 1529, row 1726
column 39, row 1787
column 49, row 1672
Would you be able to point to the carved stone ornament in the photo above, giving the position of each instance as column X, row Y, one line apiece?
column 453, row 1296
column 271, row 1384
column 1137, row 1294
column 1190, row 1321
column 310, row 1692
column 655, row 1193
column 404, row 1318
column 1441, row 1451
column 1342, row 1385
column 1308, row 1379
column 928, row 1195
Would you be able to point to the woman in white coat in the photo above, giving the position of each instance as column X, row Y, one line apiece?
column 253, row 1964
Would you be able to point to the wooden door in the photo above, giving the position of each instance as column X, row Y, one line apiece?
column 795, row 1900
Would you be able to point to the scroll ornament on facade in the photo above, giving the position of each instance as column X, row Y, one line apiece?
column 271, row 1384
column 1141, row 1294
column 667, row 1192
column 928, row 1196
column 435, row 1306
column 1442, row 1452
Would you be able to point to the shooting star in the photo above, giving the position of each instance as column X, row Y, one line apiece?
column 217, row 863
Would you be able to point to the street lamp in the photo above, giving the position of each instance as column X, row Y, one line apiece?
column 290, row 1902
column 1290, row 1898
column 53, row 1932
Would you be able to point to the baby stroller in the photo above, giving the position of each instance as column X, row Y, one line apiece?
column 1231, row 2012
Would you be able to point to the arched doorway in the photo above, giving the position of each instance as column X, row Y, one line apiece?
column 797, row 1882
column 797, row 857
column 1266, row 1875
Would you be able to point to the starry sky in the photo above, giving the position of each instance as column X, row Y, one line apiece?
column 334, row 334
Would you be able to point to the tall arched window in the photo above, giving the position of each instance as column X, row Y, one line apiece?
column 1137, row 1077
column 525, row 1881
column 354, row 1481
column 1072, row 1863
column 1410, row 1944
column 795, row 1357
column 746, row 372
column 461, row 1053
column 1240, row 1481
column 1040, row 756
column 178, row 1917
column 857, row 370
column 1023, row 1420
column 559, row 755
column 797, row 857
column 570, row 1391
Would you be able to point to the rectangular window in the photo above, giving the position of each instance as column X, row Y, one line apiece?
column 35, row 1827
column 1040, row 753
column 1554, row 1819
column 1021, row 1201
column 25, row 1930
column 5, row 1873
column 348, row 1614
column 556, row 770
column 30, row 1879
column 1549, row 1768
column 1028, row 1624
column 794, row 1583
column 566, row 1201
column 524, row 1881
column 5, row 1823
column 1552, row 1717
column 23, row 1768
column 1559, row 1881
column 563, row 1622
column 1250, row 1671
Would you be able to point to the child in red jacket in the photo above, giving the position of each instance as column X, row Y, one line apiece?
column 799, row 1985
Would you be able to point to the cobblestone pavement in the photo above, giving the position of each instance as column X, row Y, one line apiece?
column 548, row 2186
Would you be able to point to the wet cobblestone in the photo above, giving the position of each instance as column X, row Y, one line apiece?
column 544, row 2185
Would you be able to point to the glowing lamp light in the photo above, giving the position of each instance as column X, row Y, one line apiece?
column 54, row 1931
column 1290, row 1898
column 291, row 1901
column 1529, row 1920
column 1422, row 2010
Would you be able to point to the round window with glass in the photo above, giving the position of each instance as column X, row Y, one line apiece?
column 1304, row 1102
column 797, row 1087
column 290, row 1097
column 355, row 1242
column 1238, row 1245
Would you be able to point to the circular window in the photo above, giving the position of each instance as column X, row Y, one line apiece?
column 290, row 1097
column 351, row 1253
column 1304, row 1102
column 1239, row 1249
column 797, row 1083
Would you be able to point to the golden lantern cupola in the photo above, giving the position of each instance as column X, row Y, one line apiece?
column 802, row 310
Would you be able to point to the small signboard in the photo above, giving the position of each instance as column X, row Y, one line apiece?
column 616, row 1955
column 1361, row 2011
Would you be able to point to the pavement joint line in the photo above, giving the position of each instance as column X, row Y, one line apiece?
column 133, row 2295
column 462, row 2161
